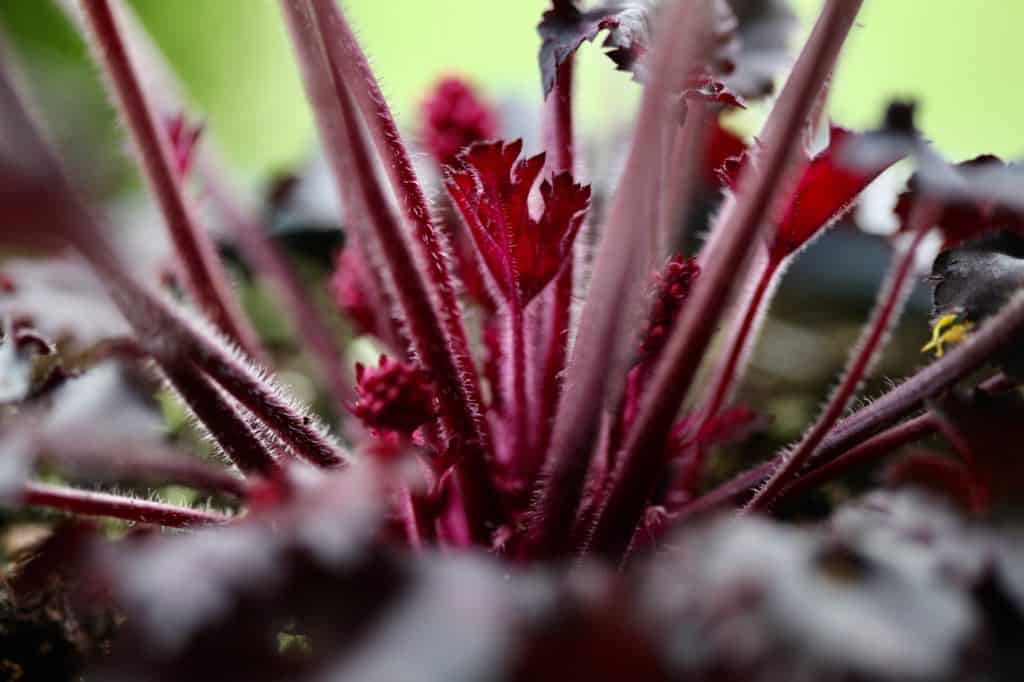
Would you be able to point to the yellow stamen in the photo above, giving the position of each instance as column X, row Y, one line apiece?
column 946, row 330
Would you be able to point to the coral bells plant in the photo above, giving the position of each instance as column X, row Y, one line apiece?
column 550, row 472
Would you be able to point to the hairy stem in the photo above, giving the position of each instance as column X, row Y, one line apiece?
column 221, row 420
column 684, row 155
column 90, row 503
column 729, row 371
column 639, row 463
column 559, row 145
column 742, row 340
column 348, row 59
column 204, row 274
column 164, row 93
column 517, row 404
column 163, row 331
column 355, row 174
column 877, row 446
column 891, row 298
column 598, row 363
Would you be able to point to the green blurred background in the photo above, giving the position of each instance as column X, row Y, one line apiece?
column 958, row 57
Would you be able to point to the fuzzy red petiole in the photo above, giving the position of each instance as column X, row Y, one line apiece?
column 891, row 299
column 90, row 503
column 559, row 145
column 342, row 134
column 639, row 462
column 204, row 273
column 625, row 257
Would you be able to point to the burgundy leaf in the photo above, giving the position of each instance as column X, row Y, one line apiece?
column 826, row 189
column 491, row 191
column 725, row 157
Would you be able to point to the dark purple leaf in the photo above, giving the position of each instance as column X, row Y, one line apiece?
column 565, row 27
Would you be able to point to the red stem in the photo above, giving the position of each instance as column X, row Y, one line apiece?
column 560, row 158
column 891, row 299
column 639, row 463
column 886, row 441
column 347, row 57
column 741, row 340
column 598, row 363
column 268, row 403
column 877, row 446
column 164, row 94
column 204, row 273
column 221, row 420
column 179, row 347
column 355, row 174
column 90, row 503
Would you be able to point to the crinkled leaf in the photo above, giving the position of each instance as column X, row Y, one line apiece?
column 565, row 27
column 491, row 191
